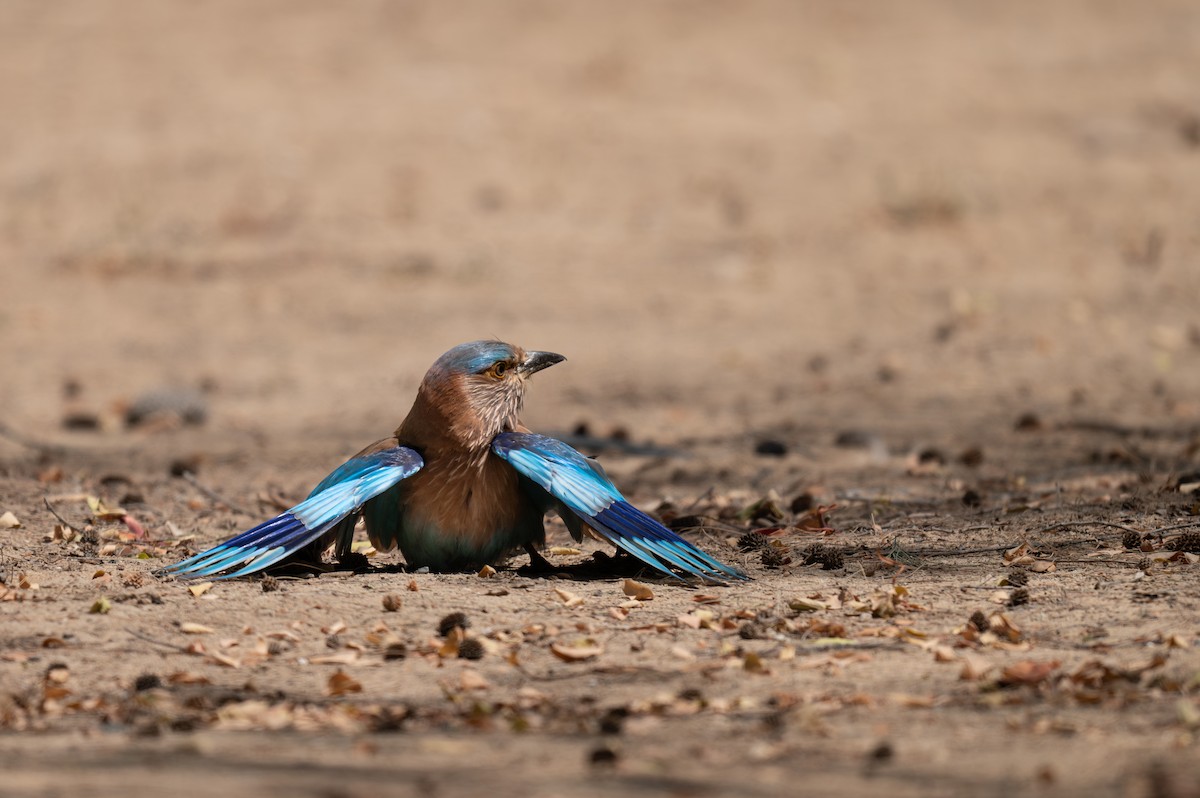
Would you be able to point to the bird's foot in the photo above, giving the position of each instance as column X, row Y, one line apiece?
column 538, row 565
column 355, row 561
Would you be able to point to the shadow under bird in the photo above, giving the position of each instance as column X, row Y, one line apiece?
column 459, row 485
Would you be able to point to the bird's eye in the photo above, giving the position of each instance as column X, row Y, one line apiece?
column 500, row 369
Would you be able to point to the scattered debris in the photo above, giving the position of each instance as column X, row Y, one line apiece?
column 455, row 620
column 341, row 684
column 1017, row 578
column 1188, row 541
column 471, row 648
column 1028, row 422
column 576, row 650
column 753, row 539
column 639, row 591
column 828, row 557
column 771, row 448
column 1019, row 597
column 774, row 557
column 167, row 409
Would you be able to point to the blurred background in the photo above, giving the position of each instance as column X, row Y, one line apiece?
column 730, row 216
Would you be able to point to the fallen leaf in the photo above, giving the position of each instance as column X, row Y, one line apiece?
column 944, row 654
column 103, row 512
column 449, row 647
column 486, row 572
column 564, row 551
column 284, row 634
column 1027, row 672
column 61, row 534
column 189, row 628
column 184, row 677
column 221, row 659
column 814, row 520
column 806, row 605
column 753, row 663
column 200, row 589
column 101, row 606
column 346, row 656
column 1188, row 714
column 1095, row 673
column 342, row 684
column 578, row 651
column 974, row 668
column 637, row 590
column 568, row 598
column 52, row 474
column 698, row 619
column 137, row 529
column 1016, row 553
column 9, row 521
column 1001, row 626
column 471, row 680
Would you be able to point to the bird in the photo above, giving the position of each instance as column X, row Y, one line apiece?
column 461, row 484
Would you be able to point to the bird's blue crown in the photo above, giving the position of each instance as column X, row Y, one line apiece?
column 474, row 357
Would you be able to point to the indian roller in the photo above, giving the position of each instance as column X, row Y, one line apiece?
column 460, row 484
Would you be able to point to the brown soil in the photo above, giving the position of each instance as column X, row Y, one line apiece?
column 942, row 255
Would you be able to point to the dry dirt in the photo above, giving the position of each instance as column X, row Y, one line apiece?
column 872, row 236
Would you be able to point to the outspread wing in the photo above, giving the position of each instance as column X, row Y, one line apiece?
column 580, row 485
column 334, row 501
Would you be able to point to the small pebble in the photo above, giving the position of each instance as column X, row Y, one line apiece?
column 771, row 448
column 147, row 681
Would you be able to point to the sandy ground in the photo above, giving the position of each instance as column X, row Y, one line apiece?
column 943, row 257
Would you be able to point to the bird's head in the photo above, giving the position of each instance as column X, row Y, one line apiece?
column 478, row 388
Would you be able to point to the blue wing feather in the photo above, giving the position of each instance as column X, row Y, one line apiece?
column 332, row 502
column 582, row 486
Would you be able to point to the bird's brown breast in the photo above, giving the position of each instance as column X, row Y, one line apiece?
column 464, row 496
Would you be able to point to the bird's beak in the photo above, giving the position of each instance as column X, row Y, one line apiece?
column 536, row 361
